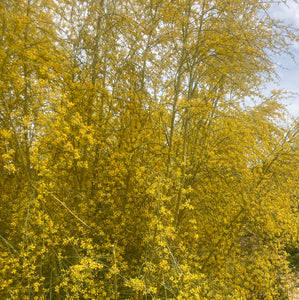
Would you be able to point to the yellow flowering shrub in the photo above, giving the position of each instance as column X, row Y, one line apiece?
column 131, row 163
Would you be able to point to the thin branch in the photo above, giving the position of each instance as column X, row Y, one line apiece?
column 68, row 209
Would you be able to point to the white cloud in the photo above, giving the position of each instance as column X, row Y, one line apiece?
column 288, row 12
column 288, row 69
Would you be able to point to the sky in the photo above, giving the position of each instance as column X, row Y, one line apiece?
column 288, row 68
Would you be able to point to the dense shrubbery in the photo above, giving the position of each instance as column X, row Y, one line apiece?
column 131, row 167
